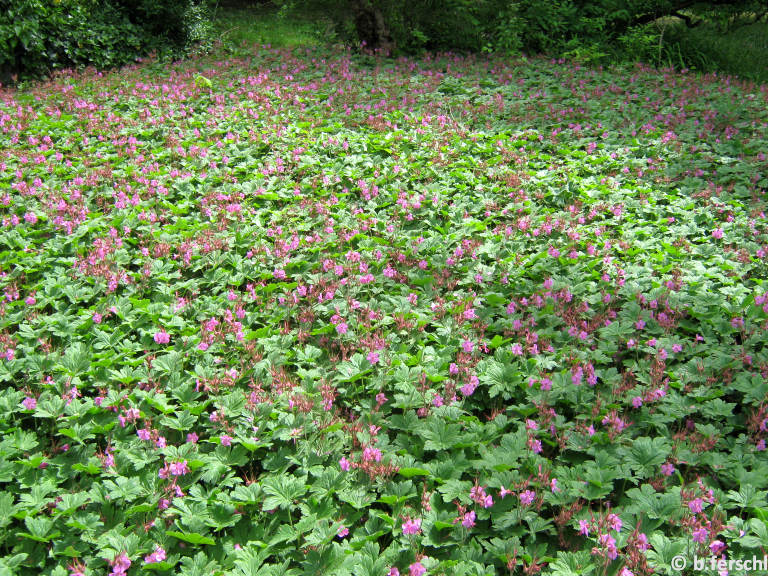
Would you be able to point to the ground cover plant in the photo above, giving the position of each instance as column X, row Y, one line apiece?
column 279, row 312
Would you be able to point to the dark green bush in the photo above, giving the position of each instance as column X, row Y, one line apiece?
column 659, row 32
column 39, row 36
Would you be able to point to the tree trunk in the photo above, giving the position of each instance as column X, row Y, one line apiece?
column 371, row 26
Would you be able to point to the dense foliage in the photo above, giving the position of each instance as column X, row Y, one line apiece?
column 654, row 31
column 39, row 36
column 307, row 314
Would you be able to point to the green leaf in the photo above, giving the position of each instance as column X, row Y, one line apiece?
column 191, row 537
column 411, row 472
column 441, row 435
column 282, row 491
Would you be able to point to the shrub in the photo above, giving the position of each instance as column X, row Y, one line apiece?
column 37, row 37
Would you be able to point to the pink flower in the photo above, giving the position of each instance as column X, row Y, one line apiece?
column 371, row 454
column 226, row 440
column 503, row 492
column 373, row 357
column 583, row 527
column 157, row 556
column 716, row 547
column 667, row 469
column 527, row 497
column 29, row 403
column 696, row 505
column 615, row 522
column 143, row 434
column 344, row 464
column 162, row 337
column 469, row 388
column 717, row 233
column 192, row 438
column 120, row 565
column 416, row 569
column 178, row 468
column 608, row 547
column 30, row 301
column 467, row 346
column 411, row 526
column 700, row 535
column 343, row 531
column 468, row 520
column 642, row 542
column 342, row 328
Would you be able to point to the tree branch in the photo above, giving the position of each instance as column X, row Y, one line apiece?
column 689, row 22
column 653, row 16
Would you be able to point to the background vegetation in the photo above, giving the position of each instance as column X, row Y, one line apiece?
column 707, row 36
column 38, row 37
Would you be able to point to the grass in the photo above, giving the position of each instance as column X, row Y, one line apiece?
column 239, row 26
